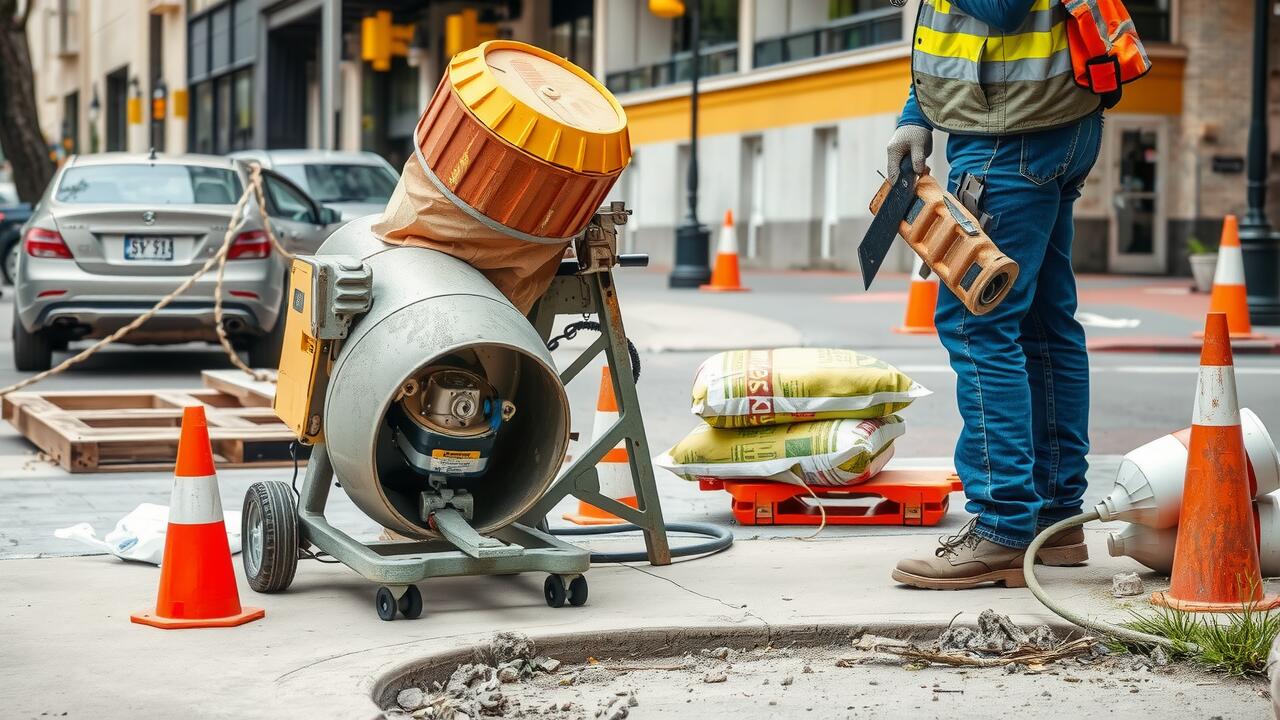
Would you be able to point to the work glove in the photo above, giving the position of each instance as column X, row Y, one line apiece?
column 909, row 139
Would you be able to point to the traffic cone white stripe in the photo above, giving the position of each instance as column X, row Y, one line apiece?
column 1216, row 404
column 195, row 501
column 728, row 242
column 1230, row 268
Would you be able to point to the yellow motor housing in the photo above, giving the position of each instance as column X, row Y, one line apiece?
column 302, row 377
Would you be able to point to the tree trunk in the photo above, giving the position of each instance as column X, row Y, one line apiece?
column 20, row 137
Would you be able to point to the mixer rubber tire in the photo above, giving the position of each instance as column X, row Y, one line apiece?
column 385, row 603
column 411, row 603
column 269, row 534
column 553, row 591
column 578, row 591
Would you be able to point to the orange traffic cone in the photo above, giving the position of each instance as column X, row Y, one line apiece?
column 725, row 276
column 922, row 301
column 614, row 469
column 1229, row 293
column 197, row 584
column 1215, row 561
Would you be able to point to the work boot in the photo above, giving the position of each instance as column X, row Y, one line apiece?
column 963, row 561
column 1065, row 548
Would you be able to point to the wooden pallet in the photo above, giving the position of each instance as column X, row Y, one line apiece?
column 137, row 430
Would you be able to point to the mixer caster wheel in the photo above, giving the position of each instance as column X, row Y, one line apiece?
column 269, row 532
column 385, row 602
column 411, row 603
column 578, row 591
column 554, row 591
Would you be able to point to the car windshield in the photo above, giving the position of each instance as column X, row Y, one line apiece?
column 149, row 185
column 335, row 183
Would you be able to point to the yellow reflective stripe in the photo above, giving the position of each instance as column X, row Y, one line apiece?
column 1042, row 5
column 1007, row 47
column 942, row 6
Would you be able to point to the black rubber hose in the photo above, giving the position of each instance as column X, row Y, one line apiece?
column 720, row 540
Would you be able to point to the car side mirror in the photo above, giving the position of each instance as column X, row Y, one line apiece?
column 329, row 216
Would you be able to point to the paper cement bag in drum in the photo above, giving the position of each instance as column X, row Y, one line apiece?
column 418, row 214
column 744, row 388
column 825, row 452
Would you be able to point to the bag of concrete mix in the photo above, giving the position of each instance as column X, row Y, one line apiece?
column 744, row 388
column 824, row 452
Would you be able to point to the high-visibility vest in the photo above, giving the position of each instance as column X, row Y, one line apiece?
column 1106, row 51
column 971, row 78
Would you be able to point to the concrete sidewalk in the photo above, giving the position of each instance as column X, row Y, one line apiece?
column 69, row 646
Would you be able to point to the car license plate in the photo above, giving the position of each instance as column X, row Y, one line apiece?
column 149, row 247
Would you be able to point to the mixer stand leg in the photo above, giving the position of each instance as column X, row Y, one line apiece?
column 595, row 293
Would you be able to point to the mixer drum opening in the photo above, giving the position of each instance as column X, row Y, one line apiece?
column 517, row 467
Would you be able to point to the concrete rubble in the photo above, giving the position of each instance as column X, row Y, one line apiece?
column 474, row 689
column 1126, row 584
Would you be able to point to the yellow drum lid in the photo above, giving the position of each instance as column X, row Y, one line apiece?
column 544, row 105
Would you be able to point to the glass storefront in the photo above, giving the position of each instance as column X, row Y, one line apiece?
column 221, row 47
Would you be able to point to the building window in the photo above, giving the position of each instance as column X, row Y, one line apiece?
column 1151, row 19
column 571, row 26
column 202, row 119
column 68, row 27
column 718, row 26
column 820, row 27
column 222, row 46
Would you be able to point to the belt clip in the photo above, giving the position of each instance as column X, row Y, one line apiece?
column 971, row 194
column 1103, row 73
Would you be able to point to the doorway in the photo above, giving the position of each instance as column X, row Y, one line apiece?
column 292, row 88
column 1138, row 239
column 117, row 110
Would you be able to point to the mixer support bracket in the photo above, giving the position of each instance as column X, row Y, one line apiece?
column 595, row 293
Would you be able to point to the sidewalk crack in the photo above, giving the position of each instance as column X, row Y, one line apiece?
column 742, row 608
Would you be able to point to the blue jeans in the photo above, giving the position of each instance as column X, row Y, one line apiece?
column 1022, row 369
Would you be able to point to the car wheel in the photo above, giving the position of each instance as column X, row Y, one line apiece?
column 264, row 350
column 10, row 266
column 32, row 351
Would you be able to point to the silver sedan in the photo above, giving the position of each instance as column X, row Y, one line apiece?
column 116, row 232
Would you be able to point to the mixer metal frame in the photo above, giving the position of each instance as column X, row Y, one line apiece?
column 581, row 287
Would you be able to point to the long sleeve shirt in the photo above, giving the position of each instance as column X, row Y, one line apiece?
column 1003, row 15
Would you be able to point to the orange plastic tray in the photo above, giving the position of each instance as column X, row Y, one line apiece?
column 894, row 497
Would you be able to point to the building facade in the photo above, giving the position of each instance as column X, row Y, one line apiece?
column 798, row 100
column 107, row 72
column 800, row 96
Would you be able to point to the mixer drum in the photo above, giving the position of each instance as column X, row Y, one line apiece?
column 431, row 310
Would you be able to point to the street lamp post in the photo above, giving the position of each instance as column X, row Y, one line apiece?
column 693, row 240
column 1259, row 245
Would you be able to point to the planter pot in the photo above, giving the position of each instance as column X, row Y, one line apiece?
column 1202, row 268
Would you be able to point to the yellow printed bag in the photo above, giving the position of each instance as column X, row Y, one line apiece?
column 825, row 452
column 744, row 388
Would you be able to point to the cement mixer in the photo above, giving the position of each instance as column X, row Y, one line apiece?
column 421, row 389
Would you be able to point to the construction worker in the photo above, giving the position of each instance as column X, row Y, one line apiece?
column 997, row 76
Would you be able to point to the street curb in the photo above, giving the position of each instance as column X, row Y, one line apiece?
column 573, row 648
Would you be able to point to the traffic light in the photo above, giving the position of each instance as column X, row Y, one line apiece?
column 463, row 31
column 667, row 8
column 380, row 40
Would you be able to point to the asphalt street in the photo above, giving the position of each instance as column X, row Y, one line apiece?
column 1135, row 397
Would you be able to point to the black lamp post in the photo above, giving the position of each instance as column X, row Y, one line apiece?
column 1259, row 245
column 693, row 240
